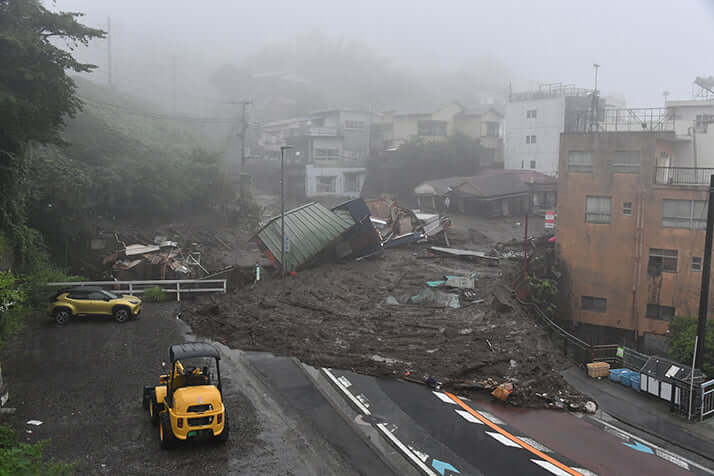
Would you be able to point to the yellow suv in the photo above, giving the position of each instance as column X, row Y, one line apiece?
column 85, row 300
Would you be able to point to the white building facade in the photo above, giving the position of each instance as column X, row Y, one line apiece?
column 534, row 121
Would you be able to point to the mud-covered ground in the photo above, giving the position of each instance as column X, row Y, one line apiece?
column 335, row 315
column 84, row 381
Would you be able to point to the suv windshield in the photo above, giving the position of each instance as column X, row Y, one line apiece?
column 110, row 295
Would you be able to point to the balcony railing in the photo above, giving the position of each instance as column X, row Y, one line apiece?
column 683, row 175
column 620, row 120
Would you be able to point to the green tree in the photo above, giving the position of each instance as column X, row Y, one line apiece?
column 682, row 331
column 36, row 97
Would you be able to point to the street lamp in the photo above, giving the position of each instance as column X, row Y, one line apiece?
column 283, row 148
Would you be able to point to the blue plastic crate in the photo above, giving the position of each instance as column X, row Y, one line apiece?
column 635, row 381
column 615, row 374
column 625, row 377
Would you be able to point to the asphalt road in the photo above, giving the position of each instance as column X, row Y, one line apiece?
column 484, row 437
column 84, row 382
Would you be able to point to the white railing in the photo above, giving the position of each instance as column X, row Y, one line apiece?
column 707, row 398
column 177, row 286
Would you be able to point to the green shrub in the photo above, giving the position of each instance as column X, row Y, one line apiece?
column 682, row 331
column 155, row 294
column 23, row 459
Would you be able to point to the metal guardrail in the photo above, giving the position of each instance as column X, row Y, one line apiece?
column 139, row 287
column 707, row 398
column 683, row 175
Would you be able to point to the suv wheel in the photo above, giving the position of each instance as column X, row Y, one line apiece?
column 121, row 314
column 62, row 316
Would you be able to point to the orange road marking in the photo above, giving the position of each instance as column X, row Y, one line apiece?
column 525, row 445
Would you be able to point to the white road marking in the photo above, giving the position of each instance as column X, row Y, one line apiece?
column 617, row 433
column 363, row 399
column 691, row 463
column 672, row 458
column 503, row 440
column 343, row 380
column 550, row 467
column 469, row 417
column 535, row 444
column 444, row 398
column 584, row 472
column 419, row 463
column 344, row 390
column 419, row 454
column 492, row 418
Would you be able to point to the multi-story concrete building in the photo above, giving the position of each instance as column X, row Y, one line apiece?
column 534, row 121
column 331, row 147
column 483, row 123
column 630, row 231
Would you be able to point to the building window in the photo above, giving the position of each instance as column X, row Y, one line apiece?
column 626, row 162
column 580, row 161
column 327, row 154
column 492, row 129
column 662, row 261
column 696, row 263
column 533, row 164
column 590, row 303
column 597, row 209
column 355, row 125
column 352, row 183
column 530, row 139
column 531, row 114
column 326, row 184
column 663, row 313
column 522, row 164
column 702, row 121
column 431, row 128
column 627, row 209
column 691, row 214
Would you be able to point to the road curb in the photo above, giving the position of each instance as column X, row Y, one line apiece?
column 332, row 399
column 661, row 437
column 414, row 461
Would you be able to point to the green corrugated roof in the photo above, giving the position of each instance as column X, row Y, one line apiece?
column 309, row 228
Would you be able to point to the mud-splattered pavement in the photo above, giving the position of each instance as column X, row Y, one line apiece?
column 84, row 382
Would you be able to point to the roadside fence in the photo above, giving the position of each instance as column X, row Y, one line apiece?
column 177, row 286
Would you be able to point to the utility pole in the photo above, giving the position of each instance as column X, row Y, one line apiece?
column 283, row 148
column 525, row 250
column 706, row 272
column 109, row 50
column 173, row 74
column 244, row 128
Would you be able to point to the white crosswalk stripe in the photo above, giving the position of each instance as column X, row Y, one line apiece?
column 502, row 439
column 550, row 467
column 469, row 417
column 492, row 418
column 535, row 444
column 444, row 397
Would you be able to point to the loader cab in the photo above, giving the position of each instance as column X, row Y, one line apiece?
column 193, row 365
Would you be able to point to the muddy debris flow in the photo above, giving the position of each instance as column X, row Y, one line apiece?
column 361, row 316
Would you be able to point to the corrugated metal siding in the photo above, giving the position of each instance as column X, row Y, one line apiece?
column 310, row 229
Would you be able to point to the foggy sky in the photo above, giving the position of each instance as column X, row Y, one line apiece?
column 644, row 47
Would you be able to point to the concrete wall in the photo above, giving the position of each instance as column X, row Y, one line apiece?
column 341, row 176
column 611, row 260
column 546, row 126
column 685, row 116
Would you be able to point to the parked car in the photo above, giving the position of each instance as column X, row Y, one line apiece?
column 85, row 300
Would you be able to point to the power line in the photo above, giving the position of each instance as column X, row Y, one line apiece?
column 150, row 115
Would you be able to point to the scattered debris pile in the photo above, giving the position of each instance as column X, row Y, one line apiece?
column 314, row 234
column 412, row 314
column 161, row 260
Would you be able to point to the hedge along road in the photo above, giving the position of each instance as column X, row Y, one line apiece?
column 83, row 381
